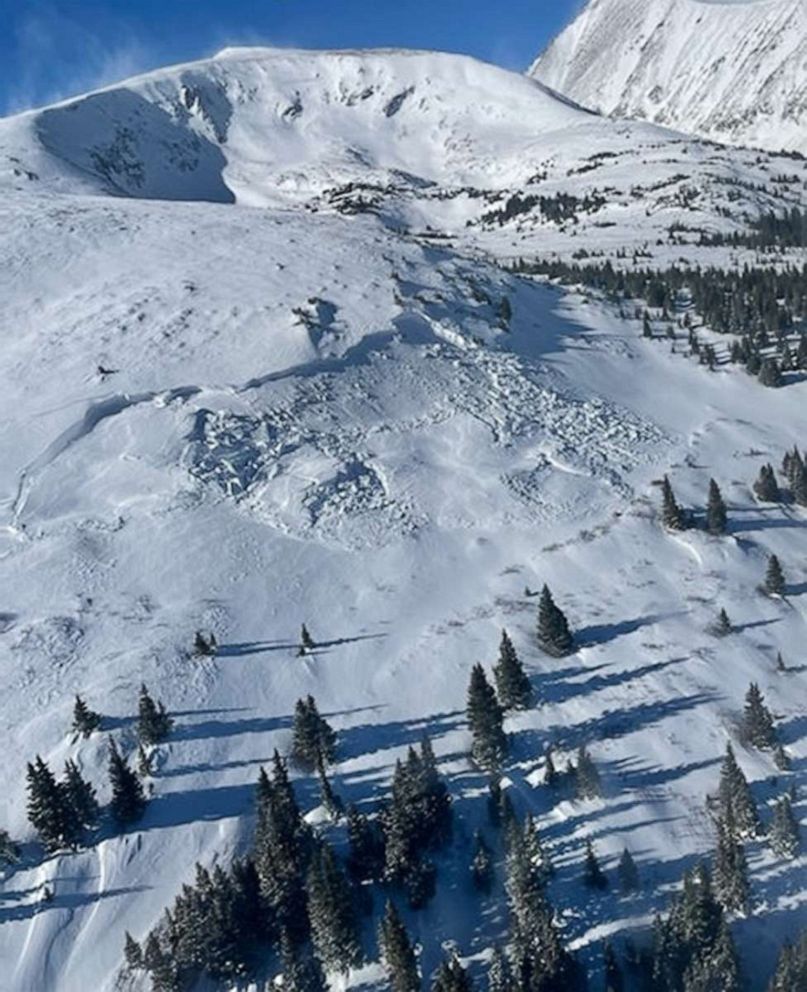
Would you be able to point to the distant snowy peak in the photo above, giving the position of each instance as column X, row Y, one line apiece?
column 735, row 72
column 253, row 122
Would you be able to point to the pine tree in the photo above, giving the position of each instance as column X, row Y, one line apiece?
column 333, row 922
column 550, row 772
column 774, row 578
column 330, row 801
column 723, row 624
column 489, row 743
column 757, row 728
column 47, row 811
column 79, row 799
column 282, row 850
column 791, row 968
column 301, row 972
column 554, row 634
column 366, row 847
column 614, row 981
column 482, row 865
column 785, row 837
column 781, row 758
column 780, row 662
column 397, row 952
column 593, row 875
column 9, row 851
column 313, row 740
column 799, row 485
column 128, row 800
column 512, row 685
column 85, row 720
column 627, row 873
column 307, row 642
column 587, row 778
column 451, row 976
column 671, row 514
column 735, row 801
column 716, row 517
column 766, row 488
column 132, row 952
column 499, row 978
column 153, row 723
column 770, row 373
column 730, row 870
column 144, row 768
column 715, row 968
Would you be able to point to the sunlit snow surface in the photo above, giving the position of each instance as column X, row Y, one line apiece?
column 244, row 415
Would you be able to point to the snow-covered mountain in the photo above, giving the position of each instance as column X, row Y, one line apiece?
column 258, row 370
column 734, row 71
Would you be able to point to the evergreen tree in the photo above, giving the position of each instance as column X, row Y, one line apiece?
column 550, row 772
column 770, row 373
column 79, row 799
column 785, row 837
column 799, row 485
column 132, row 952
column 494, row 801
column 330, row 801
column 451, row 977
column 397, row 953
column 593, row 875
column 313, row 740
column 781, row 758
column 716, row 517
column 128, row 800
column 554, row 634
column 774, row 578
column 153, row 723
column 715, row 969
column 365, row 860
column 671, row 515
column 723, row 624
column 780, row 662
column 482, row 865
column 757, row 728
column 627, row 873
column 766, row 487
column 301, row 972
column 9, row 851
column 307, row 642
column 512, row 685
column 614, row 982
column 333, row 921
column 587, row 778
column 730, row 870
column 47, row 811
column 735, row 802
column 144, row 768
column 499, row 977
column 791, row 968
column 85, row 720
column 282, row 851
column 489, row 743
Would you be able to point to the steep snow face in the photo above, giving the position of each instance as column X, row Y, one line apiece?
column 734, row 72
column 254, row 124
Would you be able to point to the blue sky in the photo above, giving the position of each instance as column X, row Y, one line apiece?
column 51, row 49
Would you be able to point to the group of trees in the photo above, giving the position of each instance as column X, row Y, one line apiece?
column 760, row 306
column 64, row 811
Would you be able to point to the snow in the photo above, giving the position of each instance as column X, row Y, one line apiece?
column 314, row 416
column 730, row 71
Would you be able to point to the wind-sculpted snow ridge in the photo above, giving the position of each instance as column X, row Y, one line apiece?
column 733, row 72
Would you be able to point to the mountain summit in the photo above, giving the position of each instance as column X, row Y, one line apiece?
column 735, row 72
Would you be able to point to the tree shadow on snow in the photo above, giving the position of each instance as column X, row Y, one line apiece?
column 70, row 901
column 560, row 691
column 603, row 633
column 229, row 728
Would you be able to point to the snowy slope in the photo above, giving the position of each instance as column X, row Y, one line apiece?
column 735, row 72
column 267, row 409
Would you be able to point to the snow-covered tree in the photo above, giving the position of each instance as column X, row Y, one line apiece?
column 774, row 578
column 627, row 873
column 671, row 514
column 716, row 517
column 554, row 634
column 153, row 723
column 397, row 952
column 481, row 864
column 330, row 909
column 128, row 800
column 757, row 727
column 512, row 685
column 593, row 875
column 489, row 743
column 85, row 720
column 735, row 801
column 313, row 739
column 785, row 837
